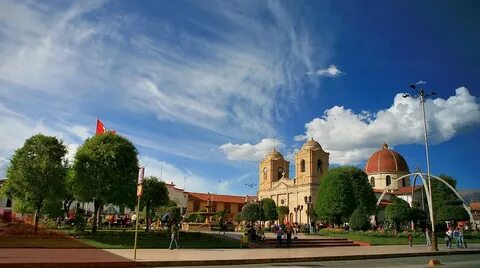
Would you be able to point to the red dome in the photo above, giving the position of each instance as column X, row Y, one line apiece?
column 386, row 160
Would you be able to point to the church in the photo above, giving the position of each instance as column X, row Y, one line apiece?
column 300, row 192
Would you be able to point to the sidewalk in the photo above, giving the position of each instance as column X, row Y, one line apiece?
column 163, row 257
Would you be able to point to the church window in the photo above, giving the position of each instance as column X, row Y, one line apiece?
column 280, row 172
column 404, row 182
column 319, row 166
column 302, row 165
column 372, row 181
column 265, row 173
column 389, row 180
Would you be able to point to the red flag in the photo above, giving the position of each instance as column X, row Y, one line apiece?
column 100, row 127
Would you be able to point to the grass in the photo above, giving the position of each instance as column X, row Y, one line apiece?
column 21, row 235
column 112, row 239
column 378, row 240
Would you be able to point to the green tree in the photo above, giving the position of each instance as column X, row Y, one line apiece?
column 343, row 190
column 335, row 196
column 282, row 212
column 362, row 190
column 446, row 204
column 251, row 212
column 452, row 211
column 106, row 168
column 238, row 217
column 155, row 194
column 397, row 212
column 37, row 173
column 359, row 220
column 269, row 209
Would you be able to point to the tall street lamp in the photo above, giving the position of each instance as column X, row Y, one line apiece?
column 423, row 96
column 308, row 202
column 299, row 209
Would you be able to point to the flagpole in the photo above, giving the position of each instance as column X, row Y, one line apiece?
column 141, row 173
column 136, row 229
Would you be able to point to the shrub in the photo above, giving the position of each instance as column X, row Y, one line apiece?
column 359, row 220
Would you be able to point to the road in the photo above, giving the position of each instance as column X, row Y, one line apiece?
column 463, row 261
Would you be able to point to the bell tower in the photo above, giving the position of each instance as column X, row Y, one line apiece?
column 311, row 163
column 271, row 169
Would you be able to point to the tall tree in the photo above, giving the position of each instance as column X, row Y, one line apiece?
column 335, row 198
column 269, row 209
column 282, row 213
column 155, row 195
column 105, row 172
column 397, row 212
column 251, row 212
column 446, row 205
column 37, row 173
column 362, row 190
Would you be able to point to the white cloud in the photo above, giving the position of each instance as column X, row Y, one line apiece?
column 331, row 71
column 247, row 151
column 351, row 138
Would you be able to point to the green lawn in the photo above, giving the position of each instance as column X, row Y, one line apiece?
column 112, row 239
column 390, row 240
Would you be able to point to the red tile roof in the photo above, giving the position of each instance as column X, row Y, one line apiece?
column 406, row 190
column 220, row 198
column 475, row 206
column 386, row 160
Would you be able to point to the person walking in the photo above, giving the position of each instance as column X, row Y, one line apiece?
column 455, row 235
column 448, row 237
column 410, row 240
column 289, row 231
column 427, row 236
column 461, row 241
column 279, row 234
column 174, row 236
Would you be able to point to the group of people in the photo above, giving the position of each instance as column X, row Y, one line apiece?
column 456, row 234
column 287, row 233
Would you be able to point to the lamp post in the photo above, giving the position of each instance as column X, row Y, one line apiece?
column 423, row 96
column 308, row 202
column 259, row 202
column 299, row 209
column 295, row 209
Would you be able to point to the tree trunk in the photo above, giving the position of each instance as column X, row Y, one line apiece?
column 96, row 213
column 35, row 220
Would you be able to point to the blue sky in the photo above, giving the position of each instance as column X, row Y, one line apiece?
column 205, row 89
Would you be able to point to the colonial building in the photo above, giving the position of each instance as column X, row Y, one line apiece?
column 297, row 193
column 209, row 204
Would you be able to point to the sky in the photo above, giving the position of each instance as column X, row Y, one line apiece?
column 205, row 89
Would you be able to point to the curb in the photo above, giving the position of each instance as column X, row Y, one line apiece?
column 234, row 261
column 303, row 259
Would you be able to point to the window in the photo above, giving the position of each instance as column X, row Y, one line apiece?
column 302, row 165
column 9, row 203
column 196, row 206
column 319, row 166
column 372, row 181
column 404, row 182
column 280, row 172
column 389, row 180
column 265, row 174
column 227, row 208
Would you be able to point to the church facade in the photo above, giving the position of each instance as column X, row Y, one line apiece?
column 300, row 192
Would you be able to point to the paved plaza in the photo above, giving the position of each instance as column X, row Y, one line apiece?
column 187, row 257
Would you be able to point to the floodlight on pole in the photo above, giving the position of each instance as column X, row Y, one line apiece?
column 423, row 96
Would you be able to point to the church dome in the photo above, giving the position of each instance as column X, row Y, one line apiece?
column 274, row 155
column 311, row 144
column 386, row 160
